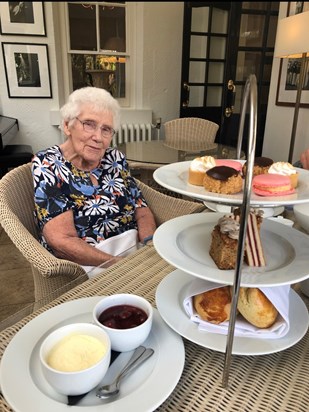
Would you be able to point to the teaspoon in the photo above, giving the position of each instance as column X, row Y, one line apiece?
column 139, row 356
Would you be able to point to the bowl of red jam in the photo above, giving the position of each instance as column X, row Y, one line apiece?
column 126, row 318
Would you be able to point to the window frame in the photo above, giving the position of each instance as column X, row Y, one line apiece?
column 130, row 41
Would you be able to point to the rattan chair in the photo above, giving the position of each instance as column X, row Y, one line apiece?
column 190, row 134
column 53, row 276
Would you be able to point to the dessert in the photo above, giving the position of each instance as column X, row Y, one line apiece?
column 272, row 185
column 285, row 169
column 75, row 353
column 254, row 254
column 256, row 308
column 198, row 168
column 224, row 241
column 261, row 166
column 222, row 179
column 214, row 305
column 229, row 163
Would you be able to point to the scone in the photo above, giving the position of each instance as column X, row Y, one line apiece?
column 285, row 169
column 272, row 185
column 198, row 168
column 223, row 179
column 261, row 166
column 214, row 306
column 256, row 308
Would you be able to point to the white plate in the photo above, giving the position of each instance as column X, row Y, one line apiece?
column 170, row 295
column 267, row 212
column 175, row 177
column 25, row 389
column 184, row 242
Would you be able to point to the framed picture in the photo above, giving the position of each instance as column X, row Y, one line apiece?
column 23, row 18
column 290, row 68
column 27, row 70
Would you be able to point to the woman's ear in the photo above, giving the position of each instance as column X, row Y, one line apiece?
column 66, row 128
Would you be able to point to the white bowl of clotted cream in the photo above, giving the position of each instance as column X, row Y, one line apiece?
column 75, row 358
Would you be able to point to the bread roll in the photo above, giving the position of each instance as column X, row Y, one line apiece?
column 256, row 308
column 214, row 306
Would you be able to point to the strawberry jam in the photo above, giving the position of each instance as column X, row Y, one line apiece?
column 122, row 317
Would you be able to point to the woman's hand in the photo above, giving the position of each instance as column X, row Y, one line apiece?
column 304, row 158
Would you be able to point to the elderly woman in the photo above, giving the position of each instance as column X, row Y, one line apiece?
column 84, row 194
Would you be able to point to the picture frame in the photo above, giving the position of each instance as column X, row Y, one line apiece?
column 27, row 70
column 22, row 18
column 288, row 69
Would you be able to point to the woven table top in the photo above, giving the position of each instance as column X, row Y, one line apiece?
column 275, row 382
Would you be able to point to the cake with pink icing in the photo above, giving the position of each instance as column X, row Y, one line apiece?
column 229, row 163
column 272, row 185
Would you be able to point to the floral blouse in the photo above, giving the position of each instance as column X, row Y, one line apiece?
column 100, row 211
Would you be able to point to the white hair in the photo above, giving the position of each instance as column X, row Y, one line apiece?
column 95, row 99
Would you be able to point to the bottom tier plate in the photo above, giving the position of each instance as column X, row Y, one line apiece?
column 170, row 295
column 25, row 388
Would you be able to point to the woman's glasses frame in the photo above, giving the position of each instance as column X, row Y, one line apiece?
column 89, row 126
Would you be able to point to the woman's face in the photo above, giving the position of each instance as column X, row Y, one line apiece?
column 89, row 137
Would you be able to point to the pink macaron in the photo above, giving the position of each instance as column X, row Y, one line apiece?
column 272, row 185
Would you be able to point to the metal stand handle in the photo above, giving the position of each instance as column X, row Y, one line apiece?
column 250, row 90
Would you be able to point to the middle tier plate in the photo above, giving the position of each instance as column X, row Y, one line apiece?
column 184, row 242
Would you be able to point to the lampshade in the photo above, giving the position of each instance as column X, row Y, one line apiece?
column 292, row 38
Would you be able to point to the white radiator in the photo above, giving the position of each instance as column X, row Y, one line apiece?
column 129, row 132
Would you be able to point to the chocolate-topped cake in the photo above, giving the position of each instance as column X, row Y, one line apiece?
column 222, row 179
column 260, row 167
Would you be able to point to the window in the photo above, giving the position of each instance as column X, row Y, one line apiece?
column 97, row 46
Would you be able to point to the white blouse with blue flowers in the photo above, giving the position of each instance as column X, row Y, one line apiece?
column 100, row 211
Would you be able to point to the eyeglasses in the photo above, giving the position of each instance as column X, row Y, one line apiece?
column 90, row 126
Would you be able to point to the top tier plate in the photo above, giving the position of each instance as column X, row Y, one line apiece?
column 175, row 177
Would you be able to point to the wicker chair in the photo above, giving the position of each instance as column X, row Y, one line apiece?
column 53, row 276
column 190, row 134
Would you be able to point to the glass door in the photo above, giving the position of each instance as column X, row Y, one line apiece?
column 224, row 42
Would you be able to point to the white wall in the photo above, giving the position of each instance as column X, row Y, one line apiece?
column 162, row 58
column 33, row 114
column 279, row 120
column 160, row 36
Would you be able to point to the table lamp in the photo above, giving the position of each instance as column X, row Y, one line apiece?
column 292, row 41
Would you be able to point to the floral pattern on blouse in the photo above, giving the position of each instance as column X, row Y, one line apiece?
column 100, row 211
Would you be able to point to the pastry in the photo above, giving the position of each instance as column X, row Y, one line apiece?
column 229, row 163
column 198, row 168
column 254, row 254
column 224, row 241
column 261, row 166
column 214, row 306
column 285, row 169
column 223, row 179
column 256, row 308
column 272, row 185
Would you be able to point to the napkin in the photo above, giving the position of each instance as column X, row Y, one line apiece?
column 278, row 295
column 115, row 246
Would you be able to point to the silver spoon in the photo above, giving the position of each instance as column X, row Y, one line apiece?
column 139, row 356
